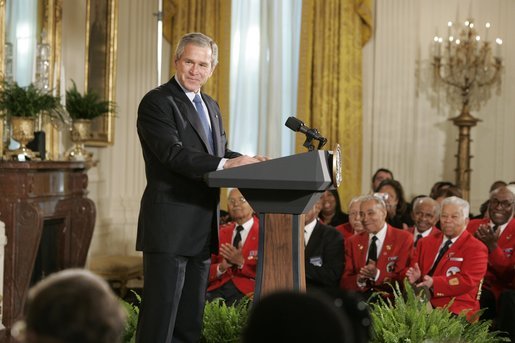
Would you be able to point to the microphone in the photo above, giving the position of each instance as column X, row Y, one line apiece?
column 296, row 125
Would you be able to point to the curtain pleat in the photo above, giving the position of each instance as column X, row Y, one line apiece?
column 330, row 77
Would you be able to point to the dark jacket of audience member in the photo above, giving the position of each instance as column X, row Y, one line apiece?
column 324, row 258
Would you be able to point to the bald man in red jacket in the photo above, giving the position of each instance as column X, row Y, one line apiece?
column 393, row 247
column 232, row 274
column 451, row 263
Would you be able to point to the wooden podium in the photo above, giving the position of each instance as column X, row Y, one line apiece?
column 281, row 190
column 49, row 224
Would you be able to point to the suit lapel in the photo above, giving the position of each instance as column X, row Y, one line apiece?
column 215, row 125
column 386, row 250
column 186, row 106
column 508, row 234
column 362, row 248
column 456, row 246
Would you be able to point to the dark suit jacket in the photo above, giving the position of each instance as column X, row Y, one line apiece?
column 324, row 257
column 179, row 212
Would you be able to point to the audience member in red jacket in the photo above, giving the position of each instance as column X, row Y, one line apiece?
column 354, row 226
column 233, row 271
column 379, row 255
column 497, row 232
column 451, row 263
column 425, row 213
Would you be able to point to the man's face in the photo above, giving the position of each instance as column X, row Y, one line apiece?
column 194, row 67
column 238, row 207
column 372, row 216
column 424, row 216
column 312, row 214
column 500, row 207
column 452, row 220
column 354, row 217
column 382, row 175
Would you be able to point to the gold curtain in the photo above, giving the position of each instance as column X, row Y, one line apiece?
column 210, row 18
column 329, row 92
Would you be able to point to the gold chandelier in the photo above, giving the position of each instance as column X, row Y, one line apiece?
column 466, row 69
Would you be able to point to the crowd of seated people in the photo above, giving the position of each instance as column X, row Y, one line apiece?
column 432, row 241
column 464, row 265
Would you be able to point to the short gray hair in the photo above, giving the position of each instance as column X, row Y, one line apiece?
column 429, row 200
column 377, row 199
column 463, row 204
column 358, row 198
column 198, row 39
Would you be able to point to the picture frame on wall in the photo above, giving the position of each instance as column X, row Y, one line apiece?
column 101, row 33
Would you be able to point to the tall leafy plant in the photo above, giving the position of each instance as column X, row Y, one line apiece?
column 28, row 101
column 224, row 323
column 86, row 106
column 409, row 319
column 132, row 310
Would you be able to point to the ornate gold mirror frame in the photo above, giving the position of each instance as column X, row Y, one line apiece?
column 49, row 20
column 101, row 33
column 2, row 43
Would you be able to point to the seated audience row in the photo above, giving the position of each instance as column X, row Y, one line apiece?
column 471, row 262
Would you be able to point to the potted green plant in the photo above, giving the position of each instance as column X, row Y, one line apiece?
column 83, row 108
column 409, row 319
column 22, row 105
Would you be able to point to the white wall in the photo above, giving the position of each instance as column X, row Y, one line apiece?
column 118, row 180
column 403, row 130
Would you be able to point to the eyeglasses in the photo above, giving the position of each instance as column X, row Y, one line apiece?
column 234, row 202
column 353, row 214
column 505, row 204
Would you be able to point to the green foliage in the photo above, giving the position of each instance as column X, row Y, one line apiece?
column 27, row 101
column 87, row 106
column 224, row 323
column 129, row 336
column 409, row 319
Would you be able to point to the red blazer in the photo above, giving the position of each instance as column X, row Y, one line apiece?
column 245, row 278
column 392, row 262
column 459, row 272
column 346, row 230
column 500, row 274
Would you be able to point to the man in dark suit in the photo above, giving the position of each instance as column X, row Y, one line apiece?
column 323, row 257
column 182, row 138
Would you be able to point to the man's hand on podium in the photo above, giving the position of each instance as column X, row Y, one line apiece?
column 243, row 160
column 239, row 161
